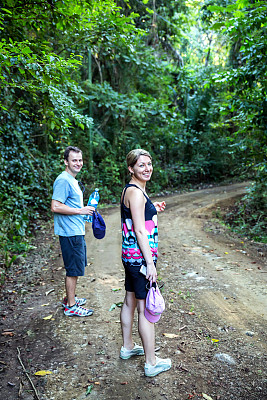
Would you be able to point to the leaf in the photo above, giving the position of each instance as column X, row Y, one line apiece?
column 7, row 333
column 89, row 389
column 48, row 317
column 215, row 340
column 149, row 11
column 205, row 396
column 170, row 335
column 43, row 373
column 26, row 50
column 114, row 305
column 8, row 11
column 49, row 291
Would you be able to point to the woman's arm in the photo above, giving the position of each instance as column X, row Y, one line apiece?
column 137, row 202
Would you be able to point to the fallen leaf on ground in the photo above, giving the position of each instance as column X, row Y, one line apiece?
column 119, row 304
column 215, row 340
column 89, row 389
column 112, row 307
column 48, row 317
column 8, row 333
column 205, row 396
column 43, row 373
column 43, row 305
column 49, row 291
column 170, row 335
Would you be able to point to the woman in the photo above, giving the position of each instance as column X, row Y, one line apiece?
column 139, row 247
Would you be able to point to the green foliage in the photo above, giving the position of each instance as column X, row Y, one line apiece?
column 185, row 80
column 24, row 187
column 248, row 217
column 244, row 107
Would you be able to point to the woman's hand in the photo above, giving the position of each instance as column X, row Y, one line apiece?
column 151, row 272
column 160, row 206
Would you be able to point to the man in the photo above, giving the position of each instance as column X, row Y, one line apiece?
column 69, row 225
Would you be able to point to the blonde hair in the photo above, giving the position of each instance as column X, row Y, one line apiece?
column 133, row 156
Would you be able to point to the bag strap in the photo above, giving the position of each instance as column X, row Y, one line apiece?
column 150, row 284
column 155, row 284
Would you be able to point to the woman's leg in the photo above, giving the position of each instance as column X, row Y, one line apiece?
column 126, row 316
column 147, row 333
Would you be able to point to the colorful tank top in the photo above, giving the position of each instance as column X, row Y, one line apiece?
column 130, row 249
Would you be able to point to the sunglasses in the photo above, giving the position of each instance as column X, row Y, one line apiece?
column 82, row 187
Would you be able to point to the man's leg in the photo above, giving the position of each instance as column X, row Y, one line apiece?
column 70, row 283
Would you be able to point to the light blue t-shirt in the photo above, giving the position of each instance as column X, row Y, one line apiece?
column 66, row 190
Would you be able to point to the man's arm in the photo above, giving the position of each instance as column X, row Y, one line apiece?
column 60, row 208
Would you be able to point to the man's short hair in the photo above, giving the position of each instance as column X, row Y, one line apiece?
column 69, row 149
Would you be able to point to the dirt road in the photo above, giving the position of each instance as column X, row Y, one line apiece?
column 214, row 328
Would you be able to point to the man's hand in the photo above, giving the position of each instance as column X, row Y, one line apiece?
column 87, row 210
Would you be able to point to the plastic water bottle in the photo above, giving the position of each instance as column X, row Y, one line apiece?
column 93, row 201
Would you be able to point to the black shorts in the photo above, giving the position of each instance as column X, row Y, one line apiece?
column 135, row 281
column 74, row 254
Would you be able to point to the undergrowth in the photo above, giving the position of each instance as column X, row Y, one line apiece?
column 248, row 217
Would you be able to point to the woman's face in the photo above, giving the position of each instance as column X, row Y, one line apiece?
column 142, row 169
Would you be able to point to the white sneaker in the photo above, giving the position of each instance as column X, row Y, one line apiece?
column 136, row 351
column 160, row 366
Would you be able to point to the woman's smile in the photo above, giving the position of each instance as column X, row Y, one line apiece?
column 143, row 169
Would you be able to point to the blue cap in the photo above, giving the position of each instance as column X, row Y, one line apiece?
column 98, row 226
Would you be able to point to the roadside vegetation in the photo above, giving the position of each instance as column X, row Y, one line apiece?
column 185, row 80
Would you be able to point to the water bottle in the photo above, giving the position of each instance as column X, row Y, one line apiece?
column 93, row 201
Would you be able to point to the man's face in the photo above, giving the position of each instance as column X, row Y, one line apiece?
column 74, row 163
